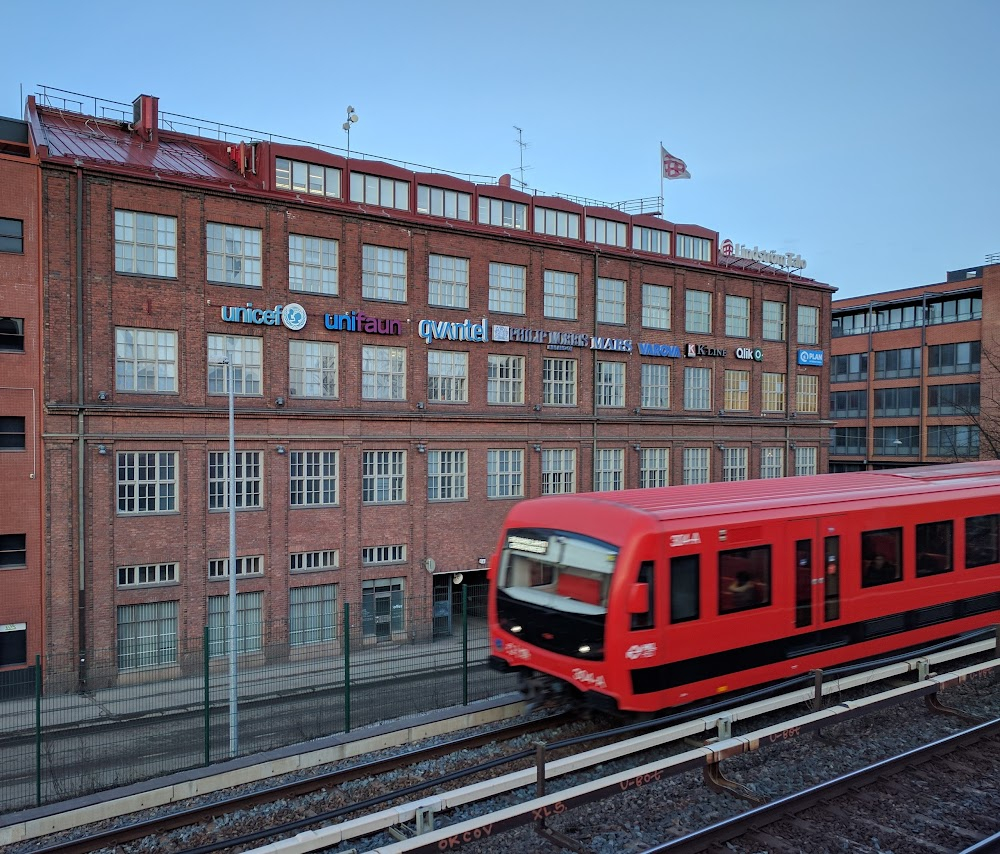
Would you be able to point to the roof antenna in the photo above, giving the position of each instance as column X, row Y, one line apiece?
column 522, row 145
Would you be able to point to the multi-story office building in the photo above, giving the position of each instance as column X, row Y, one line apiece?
column 410, row 352
column 913, row 373
column 21, row 482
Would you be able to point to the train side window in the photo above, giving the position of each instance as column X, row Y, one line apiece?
column 684, row 588
column 645, row 620
column 934, row 548
column 744, row 579
column 803, row 583
column 982, row 540
column 831, row 574
column 881, row 556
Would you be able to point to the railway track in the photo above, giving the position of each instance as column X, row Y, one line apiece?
column 942, row 797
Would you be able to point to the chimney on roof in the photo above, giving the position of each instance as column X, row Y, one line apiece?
column 145, row 121
column 504, row 180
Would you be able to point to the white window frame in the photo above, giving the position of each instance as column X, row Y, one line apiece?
column 233, row 254
column 145, row 360
column 694, row 248
column 607, row 231
column 507, row 288
column 698, row 389
column 735, row 464
column 505, row 380
column 383, row 373
column 145, row 244
column 448, row 281
column 246, row 353
column 807, row 327
column 247, row 566
column 148, row 575
column 772, row 462
column 698, row 311
column 559, row 297
column 377, row 190
column 447, row 475
column 450, row 204
column 736, row 392
column 383, row 273
column 558, row 471
column 504, row 473
column 610, row 389
column 807, row 394
column 559, row 381
column 447, row 376
column 249, row 623
column 656, row 306
column 299, row 177
column 383, row 477
column 654, row 240
column 557, row 223
column 503, row 214
column 772, row 392
column 654, row 468
column 609, row 469
column 146, row 634
column 774, row 320
column 805, row 461
column 383, row 555
column 655, row 385
column 737, row 316
column 312, row 614
column 320, row 560
column 611, row 301
column 696, row 465
column 147, row 482
column 313, row 265
column 313, row 369
column 249, row 480
column 313, row 478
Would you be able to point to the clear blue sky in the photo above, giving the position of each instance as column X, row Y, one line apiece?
column 861, row 134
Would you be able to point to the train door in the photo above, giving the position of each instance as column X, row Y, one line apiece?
column 816, row 566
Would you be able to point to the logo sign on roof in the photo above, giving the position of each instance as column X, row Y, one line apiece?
column 292, row 316
column 731, row 250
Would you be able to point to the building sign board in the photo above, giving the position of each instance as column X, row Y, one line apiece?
column 358, row 321
column 671, row 351
column 695, row 350
column 443, row 330
column 728, row 249
column 810, row 357
column 561, row 340
column 292, row 316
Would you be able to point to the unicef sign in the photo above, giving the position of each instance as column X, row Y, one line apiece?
column 291, row 316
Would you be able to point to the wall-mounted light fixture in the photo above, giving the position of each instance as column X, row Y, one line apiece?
column 280, row 449
column 792, row 445
column 538, row 407
column 720, row 446
column 722, row 412
column 280, row 401
column 537, row 447
column 103, row 395
column 421, row 448
column 102, row 449
column 482, row 561
column 637, row 446
column 420, row 404
column 637, row 410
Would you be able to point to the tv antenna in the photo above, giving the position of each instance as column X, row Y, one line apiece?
column 521, row 145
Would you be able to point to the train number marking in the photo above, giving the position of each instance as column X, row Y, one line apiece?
column 684, row 539
column 461, row 838
column 640, row 650
column 517, row 651
column 588, row 678
column 641, row 780
column 547, row 812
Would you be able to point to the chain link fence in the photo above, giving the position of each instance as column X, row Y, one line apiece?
column 130, row 724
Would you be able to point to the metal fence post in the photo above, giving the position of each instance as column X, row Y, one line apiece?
column 38, row 730
column 347, row 667
column 208, row 702
column 465, row 644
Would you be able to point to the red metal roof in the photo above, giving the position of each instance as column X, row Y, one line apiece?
column 73, row 136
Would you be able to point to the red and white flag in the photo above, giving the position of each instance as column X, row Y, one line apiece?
column 673, row 167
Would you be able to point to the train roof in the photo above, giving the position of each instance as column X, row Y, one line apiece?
column 781, row 496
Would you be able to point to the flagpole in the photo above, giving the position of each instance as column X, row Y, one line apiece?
column 662, row 205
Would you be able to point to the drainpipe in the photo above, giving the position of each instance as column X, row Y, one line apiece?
column 593, row 393
column 81, row 515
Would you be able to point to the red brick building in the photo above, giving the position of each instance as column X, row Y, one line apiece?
column 21, row 482
column 913, row 374
column 412, row 352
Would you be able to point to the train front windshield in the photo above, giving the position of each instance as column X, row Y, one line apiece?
column 552, row 590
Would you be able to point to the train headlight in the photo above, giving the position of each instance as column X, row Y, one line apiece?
column 583, row 650
column 514, row 630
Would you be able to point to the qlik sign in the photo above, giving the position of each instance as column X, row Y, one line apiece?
column 728, row 249
column 291, row 316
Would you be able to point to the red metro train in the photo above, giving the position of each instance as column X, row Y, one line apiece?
column 639, row 600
